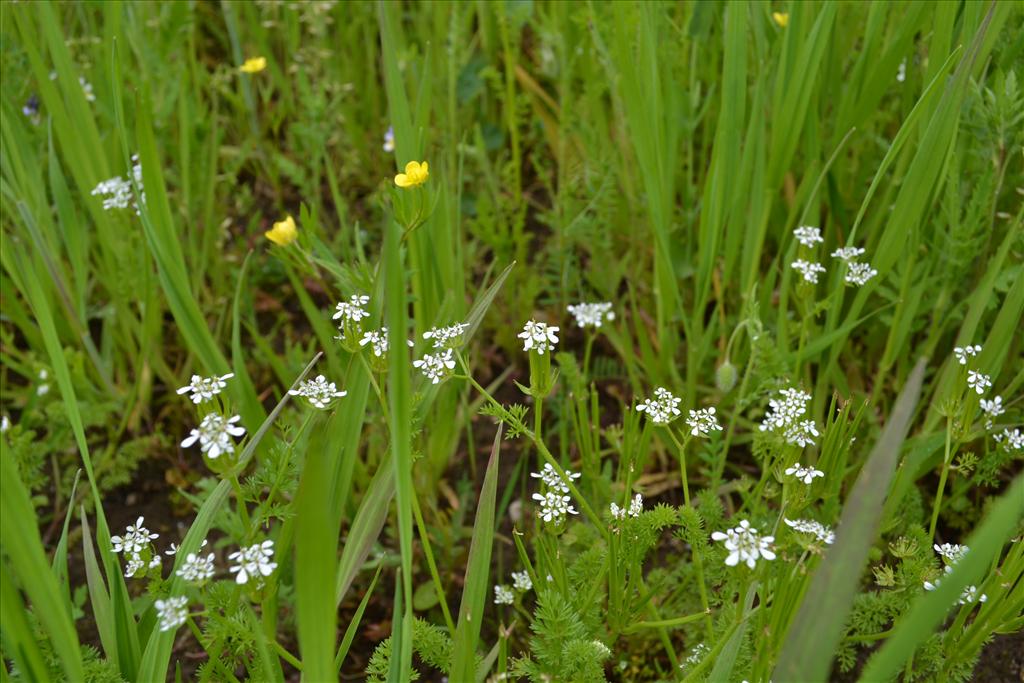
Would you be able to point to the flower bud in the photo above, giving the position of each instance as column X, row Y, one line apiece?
column 725, row 377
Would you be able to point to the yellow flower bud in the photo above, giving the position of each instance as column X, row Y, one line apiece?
column 283, row 233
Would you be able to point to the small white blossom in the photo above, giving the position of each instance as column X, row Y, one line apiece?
column 156, row 562
column 118, row 191
column 172, row 612
column 173, row 550
column 436, row 366
column 214, row 435
column 42, row 390
column 378, row 340
column 445, row 337
column 859, row 273
column 319, row 392
column 808, row 269
column 554, row 506
column 698, row 653
column 592, row 314
column 804, row 474
column 90, row 96
column 134, row 566
column 617, row 512
column 951, row 552
column 521, row 581
column 663, row 408
column 901, row 71
column 817, row 529
column 197, row 568
column 352, row 310
column 389, row 140
column 135, row 539
column 5, row 424
column 801, row 433
column 993, row 408
column 785, row 410
column 1014, row 439
column 253, row 562
column 848, row 253
column 745, row 545
column 969, row 595
column 205, row 388
column 962, row 353
column 540, row 337
column 978, row 381
column 553, row 480
column 503, row 595
column 702, row 422
column 636, row 506
column 808, row 235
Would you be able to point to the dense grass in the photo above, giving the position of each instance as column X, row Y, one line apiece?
column 661, row 157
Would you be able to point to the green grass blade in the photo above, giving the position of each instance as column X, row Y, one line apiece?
column 811, row 641
column 99, row 598
column 353, row 625
column 474, row 592
column 59, row 566
column 18, row 640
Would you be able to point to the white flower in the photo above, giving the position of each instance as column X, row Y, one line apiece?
column 800, row 433
column 703, row 422
column 378, row 339
column 817, row 529
column 42, row 390
column 592, row 314
column 602, row 648
column 197, row 568
column 172, row 612
column 5, row 424
column 135, row 539
column 808, row 269
column 205, row 388
column 804, row 474
column 962, row 353
column 521, row 581
column 808, row 235
column 134, row 566
column 993, row 408
column 352, row 310
column 117, row 192
column 859, row 273
column 969, row 594
column 978, row 381
column 445, row 337
column 436, row 366
column 214, row 435
column 636, row 506
column 540, row 337
column 1014, row 439
column 319, row 392
column 697, row 653
column 253, row 562
column 554, row 481
column 848, row 253
column 173, row 550
column 617, row 512
column 663, row 409
column 554, row 506
column 389, row 140
column 503, row 595
column 951, row 552
column 156, row 562
column 901, row 71
column 745, row 545
column 783, row 412
column 86, row 89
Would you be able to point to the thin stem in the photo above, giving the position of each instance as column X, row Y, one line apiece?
column 942, row 480
column 586, row 355
column 285, row 655
column 434, row 575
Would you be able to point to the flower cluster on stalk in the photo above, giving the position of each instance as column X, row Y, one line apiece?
column 554, row 501
column 253, row 562
column 745, row 544
column 214, row 435
column 539, row 337
column 822, row 533
column 592, row 314
column 319, row 392
column 118, row 193
column 951, row 554
column 783, row 416
column 702, row 422
column 202, row 389
column 663, row 408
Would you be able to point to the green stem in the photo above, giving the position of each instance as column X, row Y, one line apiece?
column 434, row 575
column 285, row 655
column 942, row 480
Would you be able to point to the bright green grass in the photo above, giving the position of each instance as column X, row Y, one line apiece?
column 657, row 156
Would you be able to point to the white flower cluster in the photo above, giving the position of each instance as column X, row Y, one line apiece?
column 550, row 477
column 745, row 545
column 319, row 392
column 352, row 310
column 134, row 544
column 951, row 554
column 197, row 568
column 1013, row 438
column 521, row 581
column 172, row 612
column 592, row 314
column 978, row 381
column 378, row 341
column 540, row 337
column 446, row 337
column 808, row 235
column 214, row 435
column 503, row 595
column 993, row 408
column 784, row 414
column 809, row 269
column 636, row 506
column 555, row 502
column 848, row 253
column 699, row 651
column 436, row 366
column 702, row 422
column 963, row 353
column 817, row 529
column 203, row 389
column 804, row 474
column 857, row 273
column 663, row 408
column 117, row 191
column 253, row 562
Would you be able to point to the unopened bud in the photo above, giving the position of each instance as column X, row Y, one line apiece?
column 725, row 377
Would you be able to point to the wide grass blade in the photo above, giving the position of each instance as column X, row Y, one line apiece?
column 817, row 627
column 474, row 592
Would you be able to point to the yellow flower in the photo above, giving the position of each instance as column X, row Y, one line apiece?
column 283, row 233
column 253, row 65
column 781, row 18
column 415, row 174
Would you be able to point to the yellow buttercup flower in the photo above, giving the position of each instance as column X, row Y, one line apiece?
column 253, row 65
column 781, row 18
column 415, row 174
column 283, row 233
